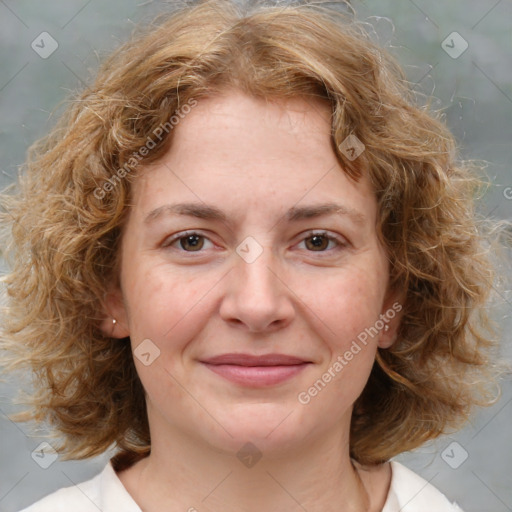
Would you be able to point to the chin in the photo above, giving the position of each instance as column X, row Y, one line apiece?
column 270, row 427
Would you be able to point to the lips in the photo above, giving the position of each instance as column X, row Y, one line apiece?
column 252, row 360
column 256, row 371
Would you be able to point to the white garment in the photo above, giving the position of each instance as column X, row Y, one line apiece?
column 408, row 492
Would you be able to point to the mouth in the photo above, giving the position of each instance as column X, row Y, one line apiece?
column 256, row 371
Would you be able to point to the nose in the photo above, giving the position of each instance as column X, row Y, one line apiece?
column 256, row 296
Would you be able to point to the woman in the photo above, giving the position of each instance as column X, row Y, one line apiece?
column 248, row 261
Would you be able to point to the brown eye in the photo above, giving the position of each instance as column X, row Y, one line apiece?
column 192, row 243
column 317, row 242
column 188, row 241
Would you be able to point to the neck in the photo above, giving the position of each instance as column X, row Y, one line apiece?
column 188, row 475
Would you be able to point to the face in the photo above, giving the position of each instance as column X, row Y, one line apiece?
column 251, row 269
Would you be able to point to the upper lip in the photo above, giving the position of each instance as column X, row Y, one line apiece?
column 252, row 360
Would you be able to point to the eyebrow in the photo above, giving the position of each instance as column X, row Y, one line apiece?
column 294, row 214
column 297, row 213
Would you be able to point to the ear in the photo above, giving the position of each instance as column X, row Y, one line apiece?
column 391, row 315
column 114, row 309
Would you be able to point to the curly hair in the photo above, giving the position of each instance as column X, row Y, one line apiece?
column 65, row 221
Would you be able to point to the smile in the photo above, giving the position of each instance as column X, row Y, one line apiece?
column 256, row 371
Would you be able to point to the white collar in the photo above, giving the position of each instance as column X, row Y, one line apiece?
column 408, row 492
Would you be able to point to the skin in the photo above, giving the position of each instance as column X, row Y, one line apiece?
column 254, row 160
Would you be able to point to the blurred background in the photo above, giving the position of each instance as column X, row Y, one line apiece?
column 460, row 52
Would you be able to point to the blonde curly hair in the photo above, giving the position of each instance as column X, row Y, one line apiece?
column 65, row 221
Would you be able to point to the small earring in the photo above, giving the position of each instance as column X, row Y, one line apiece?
column 386, row 328
column 114, row 321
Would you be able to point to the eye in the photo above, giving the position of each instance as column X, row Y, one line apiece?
column 187, row 242
column 321, row 241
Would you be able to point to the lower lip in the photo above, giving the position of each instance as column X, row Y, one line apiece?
column 256, row 376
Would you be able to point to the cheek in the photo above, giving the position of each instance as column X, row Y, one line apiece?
column 159, row 298
column 346, row 304
column 347, row 307
column 168, row 307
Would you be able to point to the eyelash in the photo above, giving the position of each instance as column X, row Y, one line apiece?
column 176, row 238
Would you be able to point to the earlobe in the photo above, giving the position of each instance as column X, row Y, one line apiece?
column 112, row 328
column 114, row 323
column 387, row 338
column 391, row 315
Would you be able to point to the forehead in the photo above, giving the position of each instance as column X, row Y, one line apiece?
column 236, row 124
column 235, row 149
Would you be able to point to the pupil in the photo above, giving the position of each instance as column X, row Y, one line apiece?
column 193, row 241
column 318, row 241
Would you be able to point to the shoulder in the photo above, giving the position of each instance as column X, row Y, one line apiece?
column 409, row 492
column 104, row 492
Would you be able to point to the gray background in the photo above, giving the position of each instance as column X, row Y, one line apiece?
column 475, row 90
